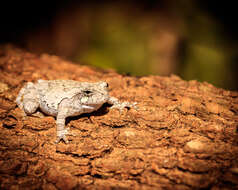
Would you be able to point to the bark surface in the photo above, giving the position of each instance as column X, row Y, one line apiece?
column 184, row 135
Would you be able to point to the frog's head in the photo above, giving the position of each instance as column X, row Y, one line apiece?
column 93, row 94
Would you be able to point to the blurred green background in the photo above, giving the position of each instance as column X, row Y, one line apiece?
column 191, row 38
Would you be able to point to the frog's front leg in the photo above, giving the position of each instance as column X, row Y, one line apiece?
column 120, row 105
column 61, row 131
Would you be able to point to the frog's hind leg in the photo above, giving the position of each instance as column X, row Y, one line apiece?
column 28, row 99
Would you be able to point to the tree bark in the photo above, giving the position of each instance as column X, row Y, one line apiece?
column 184, row 134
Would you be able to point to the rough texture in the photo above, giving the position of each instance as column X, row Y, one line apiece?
column 184, row 135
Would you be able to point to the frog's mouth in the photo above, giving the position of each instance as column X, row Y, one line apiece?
column 87, row 107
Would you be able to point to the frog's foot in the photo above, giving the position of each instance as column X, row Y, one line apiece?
column 38, row 114
column 62, row 135
column 121, row 106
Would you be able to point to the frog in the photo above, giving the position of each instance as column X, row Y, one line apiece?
column 66, row 98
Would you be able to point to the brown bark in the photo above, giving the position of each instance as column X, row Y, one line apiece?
column 184, row 135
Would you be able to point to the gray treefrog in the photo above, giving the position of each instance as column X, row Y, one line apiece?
column 64, row 98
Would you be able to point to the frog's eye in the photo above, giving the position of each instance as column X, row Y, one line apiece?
column 87, row 92
column 103, row 84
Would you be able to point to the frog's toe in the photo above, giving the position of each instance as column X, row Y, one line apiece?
column 134, row 105
column 63, row 137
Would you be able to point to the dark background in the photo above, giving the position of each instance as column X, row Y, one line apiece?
column 194, row 39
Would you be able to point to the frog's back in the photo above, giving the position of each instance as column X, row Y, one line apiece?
column 52, row 92
column 63, row 87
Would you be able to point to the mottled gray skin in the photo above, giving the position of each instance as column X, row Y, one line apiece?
column 64, row 98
